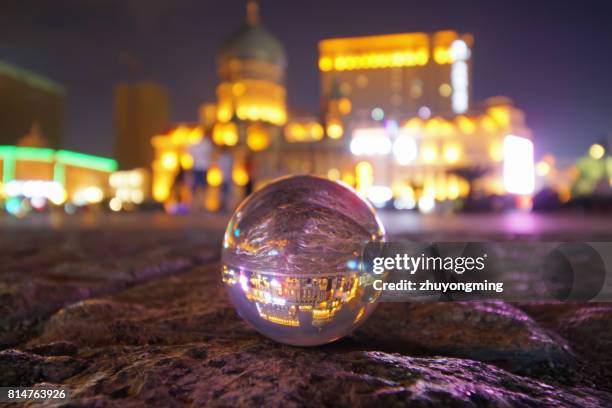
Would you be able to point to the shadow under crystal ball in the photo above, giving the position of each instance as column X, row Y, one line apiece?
column 291, row 260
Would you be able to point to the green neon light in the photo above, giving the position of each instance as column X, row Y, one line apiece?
column 8, row 168
column 85, row 160
column 27, row 153
column 9, row 154
column 59, row 173
column 34, row 154
column 7, row 151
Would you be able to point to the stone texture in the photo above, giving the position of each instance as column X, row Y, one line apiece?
column 256, row 372
column 118, row 328
column 25, row 369
column 487, row 331
column 45, row 270
column 588, row 329
column 176, row 310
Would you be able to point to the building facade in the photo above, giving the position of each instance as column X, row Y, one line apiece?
column 397, row 120
column 142, row 110
column 38, row 177
column 27, row 100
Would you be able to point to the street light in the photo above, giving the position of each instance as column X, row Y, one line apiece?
column 596, row 151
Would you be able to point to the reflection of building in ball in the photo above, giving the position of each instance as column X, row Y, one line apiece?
column 292, row 260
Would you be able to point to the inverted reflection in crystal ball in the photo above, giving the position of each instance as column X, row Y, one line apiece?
column 291, row 260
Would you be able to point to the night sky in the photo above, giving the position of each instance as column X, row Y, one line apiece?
column 553, row 58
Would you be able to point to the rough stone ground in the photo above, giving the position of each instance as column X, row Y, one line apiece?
column 134, row 317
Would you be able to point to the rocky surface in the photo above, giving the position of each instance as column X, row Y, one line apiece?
column 486, row 331
column 41, row 271
column 141, row 318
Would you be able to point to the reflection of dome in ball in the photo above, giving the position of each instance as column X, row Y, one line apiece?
column 291, row 260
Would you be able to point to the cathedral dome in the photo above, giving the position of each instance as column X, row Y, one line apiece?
column 253, row 41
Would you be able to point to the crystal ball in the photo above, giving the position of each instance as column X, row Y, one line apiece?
column 292, row 260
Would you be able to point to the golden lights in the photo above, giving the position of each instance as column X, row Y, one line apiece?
column 467, row 125
column 452, row 188
column 186, row 161
column 439, row 126
column 258, row 137
column 130, row 186
column 253, row 100
column 429, row 152
column 335, row 130
column 445, row 90
column 60, row 197
column 212, row 200
column 169, row 161
column 451, row 152
column 225, row 134
column 240, row 176
column 488, row 124
column 501, row 115
column 365, row 176
column 348, row 178
column 326, row 64
column 413, row 125
column 214, row 177
column 115, row 204
column 161, row 190
column 443, row 55
column 333, row 174
column 261, row 112
column 238, row 89
column 394, row 59
column 345, row 106
column 443, row 52
column 441, row 187
column 224, row 112
column 387, row 51
column 496, row 151
column 184, row 134
column 303, row 132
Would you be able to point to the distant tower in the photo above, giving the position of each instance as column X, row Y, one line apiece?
column 141, row 112
column 251, row 93
column 34, row 138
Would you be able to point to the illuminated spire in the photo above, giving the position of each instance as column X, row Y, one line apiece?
column 252, row 12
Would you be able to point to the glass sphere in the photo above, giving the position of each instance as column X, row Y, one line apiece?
column 292, row 260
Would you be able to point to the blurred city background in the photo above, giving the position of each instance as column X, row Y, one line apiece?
column 187, row 107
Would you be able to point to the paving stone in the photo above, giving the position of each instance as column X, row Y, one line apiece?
column 126, row 318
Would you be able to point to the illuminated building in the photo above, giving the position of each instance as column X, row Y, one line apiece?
column 28, row 99
column 397, row 119
column 251, row 67
column 395, row 75
column 403, row 103
column 141, row 111
column 248, row 115
column 251, row 108
column 130, row 187
column 171, row 154
column 58, row 176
